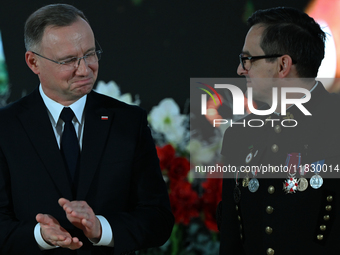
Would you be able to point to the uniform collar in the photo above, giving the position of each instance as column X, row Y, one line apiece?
column 316, row 84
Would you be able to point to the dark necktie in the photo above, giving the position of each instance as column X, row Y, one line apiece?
column 69, row 145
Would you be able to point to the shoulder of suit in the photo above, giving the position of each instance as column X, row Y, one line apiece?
column 112, row 103
column 327, row 110
column 14, row 107
column 333, row 100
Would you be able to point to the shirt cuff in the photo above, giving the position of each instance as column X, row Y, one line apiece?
column 107, row 237
column 40, row 240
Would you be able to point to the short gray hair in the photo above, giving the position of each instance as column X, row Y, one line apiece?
column 56, row 15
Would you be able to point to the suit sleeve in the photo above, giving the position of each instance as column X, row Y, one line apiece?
column 150, row 221
column 11, row 229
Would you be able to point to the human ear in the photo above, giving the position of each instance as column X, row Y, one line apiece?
column 285, row 66
column 32, row 62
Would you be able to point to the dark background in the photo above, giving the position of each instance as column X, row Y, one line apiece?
column 151, row 47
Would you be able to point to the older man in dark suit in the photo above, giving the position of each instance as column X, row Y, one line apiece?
column 78, row 170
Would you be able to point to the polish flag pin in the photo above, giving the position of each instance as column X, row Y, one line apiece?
column 105, row 117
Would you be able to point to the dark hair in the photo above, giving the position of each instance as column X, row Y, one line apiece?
column 292, row 32
column 57, row 15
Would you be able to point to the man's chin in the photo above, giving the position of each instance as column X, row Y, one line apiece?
column 83, row 90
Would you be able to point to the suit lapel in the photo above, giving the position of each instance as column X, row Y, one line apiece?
column 37, row 124
column 97, row 125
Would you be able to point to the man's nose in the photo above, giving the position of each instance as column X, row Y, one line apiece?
column 82, row 66
column 240, row 71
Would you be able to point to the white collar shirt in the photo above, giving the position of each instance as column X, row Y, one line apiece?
column 54, row 109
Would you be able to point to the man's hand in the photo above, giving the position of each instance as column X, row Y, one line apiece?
column 56, row 235
column 81, row 215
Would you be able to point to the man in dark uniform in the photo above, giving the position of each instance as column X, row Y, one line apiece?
column 288, row 203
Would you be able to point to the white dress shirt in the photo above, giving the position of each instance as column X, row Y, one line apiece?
column 54, row 109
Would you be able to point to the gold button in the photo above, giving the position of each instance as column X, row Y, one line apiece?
column 329, row 198
column 326, row 217
column 239, row 217
column 328, row 207
column 236, row 208
column 269, row 230
column 241, row 236
column 277, row 129
column 275, row 148
column 323, row 227
column 271, row 189
column 270, row 251
column 269, row 209
column 319, row 237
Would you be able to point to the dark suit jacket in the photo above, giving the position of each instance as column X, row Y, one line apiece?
column 285, row 223
column 119, row 176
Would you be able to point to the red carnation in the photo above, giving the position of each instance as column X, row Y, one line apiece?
column 184, row 202
column 179, row 169
column 165, row 154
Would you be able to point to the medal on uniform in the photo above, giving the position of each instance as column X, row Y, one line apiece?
column 245, row 181
column 253, row 184
column 316, row 180
column 291, row 184
column 288, row 116
column 303, row 183
column 267, row 119
column 249, row 157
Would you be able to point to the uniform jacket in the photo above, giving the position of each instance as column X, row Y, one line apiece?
column 119, row 176
column 270, row 220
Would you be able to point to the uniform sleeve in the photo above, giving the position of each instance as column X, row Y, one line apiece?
column 230, row 242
